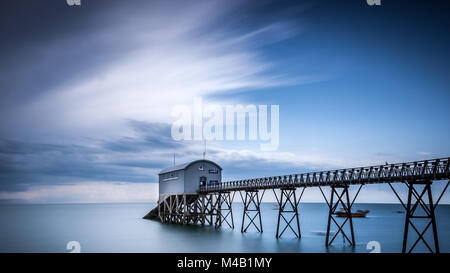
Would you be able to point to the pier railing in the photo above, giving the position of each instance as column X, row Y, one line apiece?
column 433, row 169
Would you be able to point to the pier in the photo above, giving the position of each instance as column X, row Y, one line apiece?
column 212, row 204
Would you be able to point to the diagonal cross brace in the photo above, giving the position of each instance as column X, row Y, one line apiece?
column 252, row 198
column 225, row 210
column 411, row 209
column 288, row 197
column 332, row 206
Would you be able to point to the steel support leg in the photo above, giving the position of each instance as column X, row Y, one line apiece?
column 207, row 209
column 252, row 205
column 288, row 206
column 344, row 200
column 416, row 200
column 202, row 209
column 225, row 209
column 218, row 209
column 181, row 209
column 213, row 210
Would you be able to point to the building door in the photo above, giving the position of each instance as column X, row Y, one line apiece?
column 202, row 181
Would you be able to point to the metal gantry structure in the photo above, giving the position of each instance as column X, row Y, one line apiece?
column 212, row 204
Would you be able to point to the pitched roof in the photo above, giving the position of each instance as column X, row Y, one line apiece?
column 185, row 165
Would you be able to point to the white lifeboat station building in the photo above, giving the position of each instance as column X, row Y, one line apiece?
column 187, row 178
column 181, row 202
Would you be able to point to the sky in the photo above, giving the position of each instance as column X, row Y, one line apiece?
column 86, row 92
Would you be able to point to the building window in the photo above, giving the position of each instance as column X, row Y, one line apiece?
column 201, row 167
column 170, row 176
column 215, row 170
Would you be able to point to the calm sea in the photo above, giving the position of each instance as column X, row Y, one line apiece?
column 120, row 228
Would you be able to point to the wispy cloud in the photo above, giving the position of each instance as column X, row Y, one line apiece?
column 425, row 153
column 159, row 57
column 97, row 106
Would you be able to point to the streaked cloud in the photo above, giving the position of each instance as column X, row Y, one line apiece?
column 97, row 103
column 159, row 57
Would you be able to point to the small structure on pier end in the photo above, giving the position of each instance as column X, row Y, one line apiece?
column 187, row 178
column 179, row 199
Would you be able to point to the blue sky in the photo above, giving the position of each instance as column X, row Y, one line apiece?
column 86, row 91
